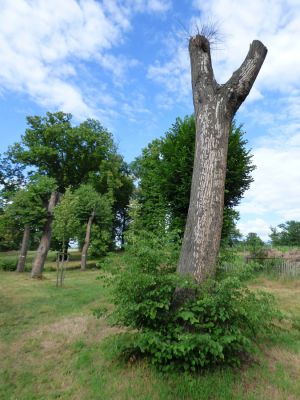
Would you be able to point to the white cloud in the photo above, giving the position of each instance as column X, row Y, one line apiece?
column 273, row 104
column 256, row 225
column 274, row 194
column 43, row 45
column 277, row 24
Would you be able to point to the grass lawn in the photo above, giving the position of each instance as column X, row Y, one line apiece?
column 52, row 347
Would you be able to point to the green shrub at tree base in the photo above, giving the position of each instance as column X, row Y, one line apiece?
column 220, row 324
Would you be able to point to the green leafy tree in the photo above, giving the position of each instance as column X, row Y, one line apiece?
column 65, row 226
column 116, row 180
column 92, row 209
column 65, row 222
column 254, row 243
column 286, row 234
column 75, row 155
column 67, row 153
column 26, row 212
column 165, row 173
column 72, row 155
column 12, row 178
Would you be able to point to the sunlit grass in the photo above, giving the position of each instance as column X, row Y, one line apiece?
column 52, row 347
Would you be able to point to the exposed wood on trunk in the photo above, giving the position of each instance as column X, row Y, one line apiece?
column 24, row 249
column 44, row 245
column 87, row 241
column 215, row 106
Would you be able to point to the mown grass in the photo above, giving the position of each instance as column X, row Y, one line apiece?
column 52, row 347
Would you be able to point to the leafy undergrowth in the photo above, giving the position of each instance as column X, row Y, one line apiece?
column 52, row 347
column 179, row 325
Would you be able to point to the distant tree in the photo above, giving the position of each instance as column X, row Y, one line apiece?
column 65, row 226
column 69, row 154
column 286, row 234
column 26, row 211
column 74, row 155
column 254, row 242
column 116, row 180
column 165, row 173
column 92, row 208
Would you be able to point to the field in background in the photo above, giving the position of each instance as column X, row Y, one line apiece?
column 53, row 347
column 50, row 264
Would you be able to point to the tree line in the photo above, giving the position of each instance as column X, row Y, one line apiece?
column 63, row 182
column 57, row 166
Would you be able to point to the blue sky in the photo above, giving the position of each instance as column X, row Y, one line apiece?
column 126, row 63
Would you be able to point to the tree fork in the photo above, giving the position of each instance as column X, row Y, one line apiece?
column 215, row 106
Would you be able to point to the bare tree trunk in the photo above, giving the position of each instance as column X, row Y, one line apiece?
column 24, row 249
column 86, row 242
column 42, row 251
column 215, row 106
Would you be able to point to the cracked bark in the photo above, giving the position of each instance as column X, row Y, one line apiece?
column 44, row 245
column 215, row 106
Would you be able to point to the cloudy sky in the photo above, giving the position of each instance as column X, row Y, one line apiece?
column 126, row 63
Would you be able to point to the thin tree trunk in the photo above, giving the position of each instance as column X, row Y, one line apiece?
column 24, row 249
column 86, row 242
column 44, row 245
column 215, row 106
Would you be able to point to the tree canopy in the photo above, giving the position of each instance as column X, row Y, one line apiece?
column 286, row 234
column 26, row 207
column 73, row 155
column 164, row 171
column 69, row 154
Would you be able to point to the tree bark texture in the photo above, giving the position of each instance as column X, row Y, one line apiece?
column 24, row 249
column 215, row 106
column 86, row 244
column 44, row 245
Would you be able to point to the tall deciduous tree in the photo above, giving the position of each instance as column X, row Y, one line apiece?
column 215, row 106
column 67, row 153
column 165, row 169
column 286, row 234
column 72, row 155
column 26, row 211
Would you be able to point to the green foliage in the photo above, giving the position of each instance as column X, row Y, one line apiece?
column 217, row 323
column 287, row 234
column 76, row 155
column 254, row 244
column 61, row 151
column 11, row 178
column 7, row 264
column 26, row 207
column 66, row 223
column 165, row 172
column 89, row 202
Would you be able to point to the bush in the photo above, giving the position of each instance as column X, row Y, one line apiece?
column 218, row 324
column 7, row 264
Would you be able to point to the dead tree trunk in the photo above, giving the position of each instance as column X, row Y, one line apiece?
column 215, row 106
column 86, row 242
column 42, row 251
column 24, row 249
